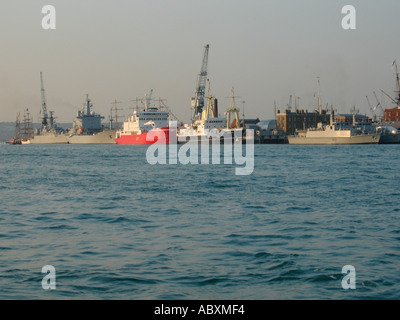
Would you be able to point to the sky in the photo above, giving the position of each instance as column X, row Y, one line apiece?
column 266, row 49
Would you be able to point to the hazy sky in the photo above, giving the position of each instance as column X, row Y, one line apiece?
column 266, row 49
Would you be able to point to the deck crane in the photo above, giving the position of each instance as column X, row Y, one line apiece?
column 147, row 100
column 45, row 115
column 198, row 100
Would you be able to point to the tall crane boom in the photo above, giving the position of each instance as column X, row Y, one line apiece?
column 377, row 101
column 369, row 104
column 44, row 107
column 198, row 100
column 372, row 109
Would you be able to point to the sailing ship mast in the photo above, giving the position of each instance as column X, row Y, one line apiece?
column 397, row 85
column 397, row 99
column 26, row 127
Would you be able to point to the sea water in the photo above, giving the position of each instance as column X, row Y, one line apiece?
column 115, row 227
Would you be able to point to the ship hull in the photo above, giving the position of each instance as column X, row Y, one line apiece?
column 161, row 136
column 361, row 139
column 390, row 139
column 50, row 138
column 105, row 137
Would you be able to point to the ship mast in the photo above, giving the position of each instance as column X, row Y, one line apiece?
column 397, row 85
column 319, row 97
column 18, row 127
column 26, row 129
column 88, row 105
column 210, row 106
column 233, row 110
column 116, row 122
column 397, row 99
column 44, row 107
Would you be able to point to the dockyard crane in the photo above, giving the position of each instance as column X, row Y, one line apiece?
column 393, row 100
column 289, row 105
column 45, row 115
column 198, row 100
column 372, row 109
column 377, row 101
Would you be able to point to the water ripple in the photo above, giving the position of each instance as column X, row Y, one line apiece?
column 116, row 227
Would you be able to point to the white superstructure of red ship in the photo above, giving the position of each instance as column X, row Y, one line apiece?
column 145, row 127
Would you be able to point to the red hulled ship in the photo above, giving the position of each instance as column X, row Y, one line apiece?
column 145, row 127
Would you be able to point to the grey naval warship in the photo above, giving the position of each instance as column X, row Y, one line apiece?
column 87, row 127
column 334, row 134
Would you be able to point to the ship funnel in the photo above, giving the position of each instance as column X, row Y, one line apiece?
column 216, row 108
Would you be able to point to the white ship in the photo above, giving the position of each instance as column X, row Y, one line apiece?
column 209, row 126
column 206, row 124
column 334, row 134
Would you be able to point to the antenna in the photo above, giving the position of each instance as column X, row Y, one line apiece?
column 243, row 102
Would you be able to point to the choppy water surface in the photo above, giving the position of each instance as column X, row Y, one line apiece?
column 116, row 227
